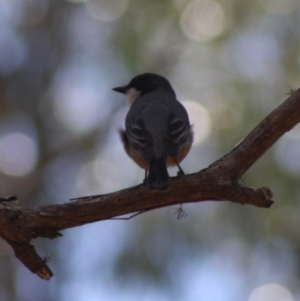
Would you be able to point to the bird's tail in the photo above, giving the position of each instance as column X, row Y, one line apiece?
column 158, row 178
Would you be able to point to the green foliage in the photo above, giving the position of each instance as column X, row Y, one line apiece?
column 235, row 60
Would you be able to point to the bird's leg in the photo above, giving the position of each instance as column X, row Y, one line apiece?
column 180, row 172
column 146, row 177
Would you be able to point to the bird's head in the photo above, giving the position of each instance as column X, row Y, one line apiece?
column 142, row 84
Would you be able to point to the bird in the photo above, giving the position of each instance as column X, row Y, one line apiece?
column 158, row 133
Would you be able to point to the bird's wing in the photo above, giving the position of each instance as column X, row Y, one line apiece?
column 178, row 131
column 138, row 136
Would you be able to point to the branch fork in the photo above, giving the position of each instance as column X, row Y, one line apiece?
column 219, row 182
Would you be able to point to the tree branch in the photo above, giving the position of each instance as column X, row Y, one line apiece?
column 250, row 149
column 218, row 182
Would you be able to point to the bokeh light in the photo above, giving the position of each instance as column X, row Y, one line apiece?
column 77, row 109
column 203, row 20
column 76, row 101
column 110, row 170
column 97, row 177
column 18, row 154
column 200, row 119
column 233, row 61
column 271, row 292
column 106, row 10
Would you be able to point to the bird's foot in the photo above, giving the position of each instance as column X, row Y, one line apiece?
column 180, row 173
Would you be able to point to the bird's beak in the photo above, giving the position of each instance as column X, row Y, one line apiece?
column 122, row 90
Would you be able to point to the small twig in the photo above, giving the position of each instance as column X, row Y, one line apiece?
column 89, row 197
column 8, row 198
column 46, row 258
column 179, row 212
column 132, row 216
column 291, row 92
column 219, row 182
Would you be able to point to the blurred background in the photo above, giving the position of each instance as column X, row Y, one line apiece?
column 231, row 62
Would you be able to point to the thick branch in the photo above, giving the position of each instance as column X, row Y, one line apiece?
column 218, row 182
column 250, row 149
column 206, row 185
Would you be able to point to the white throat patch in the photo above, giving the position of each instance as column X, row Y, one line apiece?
column 132, row 94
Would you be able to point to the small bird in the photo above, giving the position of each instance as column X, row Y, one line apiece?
column 157, row 131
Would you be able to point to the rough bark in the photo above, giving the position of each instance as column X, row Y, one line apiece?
column 218, row 182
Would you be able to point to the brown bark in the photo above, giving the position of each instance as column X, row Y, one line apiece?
column 219, row 182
